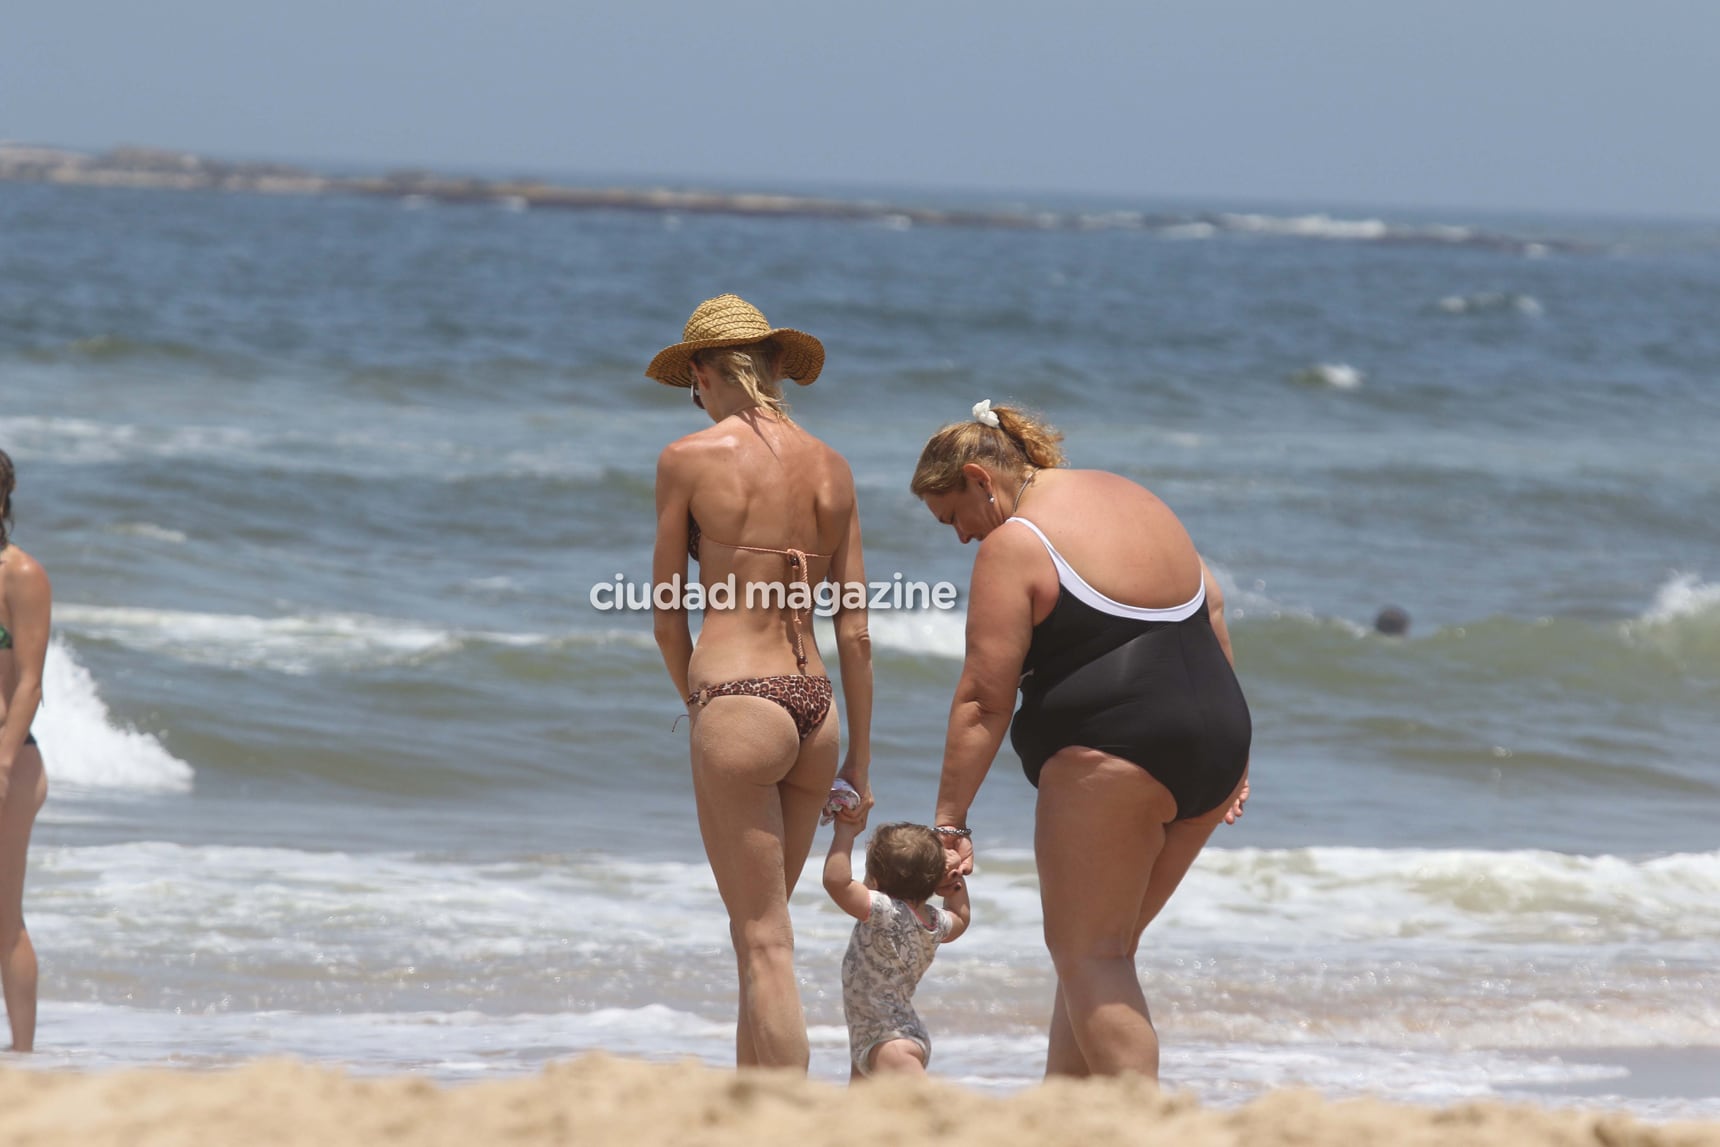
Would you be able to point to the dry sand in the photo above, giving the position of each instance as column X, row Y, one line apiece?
column 601, row 1100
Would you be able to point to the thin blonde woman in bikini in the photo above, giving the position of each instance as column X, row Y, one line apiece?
column 25, row 601
column 757, row 498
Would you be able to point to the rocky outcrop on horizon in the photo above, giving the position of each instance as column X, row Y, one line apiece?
column 154, row 167
column 157, row 168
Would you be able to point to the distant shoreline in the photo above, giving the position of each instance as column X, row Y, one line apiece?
column 185, row 171
column 163, row 170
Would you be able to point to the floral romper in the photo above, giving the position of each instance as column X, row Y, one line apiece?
column 888, row 953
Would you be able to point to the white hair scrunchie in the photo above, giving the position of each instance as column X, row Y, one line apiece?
column 983, row 415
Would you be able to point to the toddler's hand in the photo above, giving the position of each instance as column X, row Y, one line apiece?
column 952, row 873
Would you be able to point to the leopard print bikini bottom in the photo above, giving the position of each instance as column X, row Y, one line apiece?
column 807, row 699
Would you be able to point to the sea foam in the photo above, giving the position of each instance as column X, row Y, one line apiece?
column 1683, row 596
column 1683, row 621
column 1491, row 303
column 85, row 747
column 85, row 441
column 297, row 644
column 1336, row 375
column 1308, row 226
column 930, row 633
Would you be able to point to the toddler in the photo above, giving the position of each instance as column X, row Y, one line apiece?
column 896, row 936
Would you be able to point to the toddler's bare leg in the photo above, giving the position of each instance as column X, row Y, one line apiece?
column 902, row 1056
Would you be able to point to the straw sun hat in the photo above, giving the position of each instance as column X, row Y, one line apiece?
column 729, row 320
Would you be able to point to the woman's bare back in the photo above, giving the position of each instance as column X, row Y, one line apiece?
column 1118, row 535
column 762, row 489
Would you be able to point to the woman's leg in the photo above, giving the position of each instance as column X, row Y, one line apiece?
column 803, row 793
column 1100, row 828
column 24, row 797
column 1183, row 842
column 745, row 751
column 1063, row 1056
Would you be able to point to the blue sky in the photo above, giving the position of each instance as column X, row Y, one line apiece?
column 1573, row 106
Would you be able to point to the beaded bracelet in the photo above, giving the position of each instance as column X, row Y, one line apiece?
column 952, row 830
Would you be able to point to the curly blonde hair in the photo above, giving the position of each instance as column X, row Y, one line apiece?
column 1019, row 441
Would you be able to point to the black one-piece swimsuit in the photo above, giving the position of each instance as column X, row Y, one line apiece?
column 1151, row 686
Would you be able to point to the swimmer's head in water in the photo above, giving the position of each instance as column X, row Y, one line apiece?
column 1392, row 621
column 905, row 861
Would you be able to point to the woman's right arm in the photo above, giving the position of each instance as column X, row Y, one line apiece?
column 669, row 563
column 999, row 631
column 854, row 656
column 29, row 600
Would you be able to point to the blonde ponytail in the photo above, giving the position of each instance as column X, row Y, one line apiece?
column 1017, row 443
column 1036, row 440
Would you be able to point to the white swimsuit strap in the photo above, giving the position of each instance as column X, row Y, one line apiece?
column 1077, row 585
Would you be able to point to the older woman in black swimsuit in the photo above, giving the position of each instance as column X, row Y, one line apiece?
column 1089, row 597
column 25, row 601
column 757, row 498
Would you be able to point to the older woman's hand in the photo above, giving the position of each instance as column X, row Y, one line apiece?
column 958, row 855
column 952, row 874
column 1235, row 810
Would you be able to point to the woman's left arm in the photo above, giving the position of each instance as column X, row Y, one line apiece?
column 29, row 600
column 1215, row 612
column 999, row 630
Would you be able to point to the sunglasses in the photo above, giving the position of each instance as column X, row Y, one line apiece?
column 697, row 401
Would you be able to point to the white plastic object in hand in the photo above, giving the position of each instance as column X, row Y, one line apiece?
column 843, row 797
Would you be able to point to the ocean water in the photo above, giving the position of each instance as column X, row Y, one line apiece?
column 345, row 765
